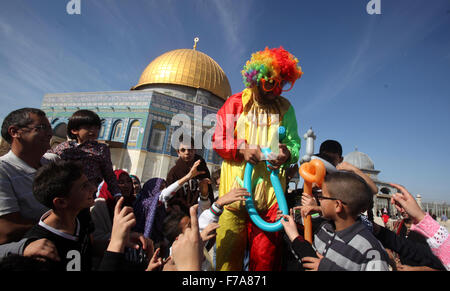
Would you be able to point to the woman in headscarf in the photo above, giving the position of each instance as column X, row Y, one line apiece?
column 146, row 208
column 151, row 204
column 136, row 185
column 102, row 212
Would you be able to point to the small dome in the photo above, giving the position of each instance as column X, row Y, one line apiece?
column 359, row 160
column 187, row 67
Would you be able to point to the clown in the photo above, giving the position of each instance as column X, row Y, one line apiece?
column 247, row 122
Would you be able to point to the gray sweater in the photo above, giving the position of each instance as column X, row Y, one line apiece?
column 13, row 248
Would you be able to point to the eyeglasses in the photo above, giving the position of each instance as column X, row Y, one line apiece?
column 316, row 191
column 41, row 127
column 320, row 197
column 274, row 83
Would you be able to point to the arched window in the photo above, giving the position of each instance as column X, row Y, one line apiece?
column 157, row 137
column 385, row 190
column 60, row 130
column 117, row 130
column 133, row 135
column 101, row 133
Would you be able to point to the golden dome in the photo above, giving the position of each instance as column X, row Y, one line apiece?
column 187, row 67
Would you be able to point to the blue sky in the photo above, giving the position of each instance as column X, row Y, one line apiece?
column 380, row 83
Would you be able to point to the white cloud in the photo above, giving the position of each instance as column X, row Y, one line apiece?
column 235, row 18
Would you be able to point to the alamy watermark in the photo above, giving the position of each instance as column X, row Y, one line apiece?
column 374, row 7
column 230, row 131
column 73, row 7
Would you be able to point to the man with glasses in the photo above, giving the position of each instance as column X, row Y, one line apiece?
column 195, row 188
column 28, row 131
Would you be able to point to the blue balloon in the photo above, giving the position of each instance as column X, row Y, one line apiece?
column 279, row 193
column 281, row 133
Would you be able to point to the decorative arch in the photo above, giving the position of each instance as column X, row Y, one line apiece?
column 157, row 136
column 385, row 190
column 60, row 130
column 116, row 132
column 101, row 133
column 133, row 133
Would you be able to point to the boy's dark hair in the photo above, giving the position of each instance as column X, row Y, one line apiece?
column 55, row 180
column 328, row 148
column 171, row 228
column 187, row 140
column 81, row 118
column 331, row 146
column 20, row 118
column 351, row 189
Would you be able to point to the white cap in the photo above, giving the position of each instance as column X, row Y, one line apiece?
column 328, row 166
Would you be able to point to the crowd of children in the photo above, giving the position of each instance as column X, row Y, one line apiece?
column 67, row 209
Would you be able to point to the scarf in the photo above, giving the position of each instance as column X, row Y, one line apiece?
column 106, row 194
column 146, row 204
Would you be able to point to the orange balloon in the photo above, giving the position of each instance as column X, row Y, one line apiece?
column 313, row 172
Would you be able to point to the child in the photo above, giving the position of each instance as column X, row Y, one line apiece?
column 152, row 202
column 82, row 130
column 187, row 249
column 62, row 187
column 343, row 242
column 178, row 221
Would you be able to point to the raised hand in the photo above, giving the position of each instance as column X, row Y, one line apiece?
column 124, row 220
column 137, row 240
column 194, row 172
column 404, row 201
column 308, row 200
column 156, row 262
column 236, row 194
column 203, row 186
column 209, row 232
column 290, row 227
column 187, row 250
column 308, row 210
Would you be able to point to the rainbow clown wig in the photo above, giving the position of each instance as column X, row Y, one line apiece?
column 277, row 64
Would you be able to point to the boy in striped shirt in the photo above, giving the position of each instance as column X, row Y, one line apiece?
column 342, row 242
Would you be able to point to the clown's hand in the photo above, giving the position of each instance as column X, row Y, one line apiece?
column 251, row 154
column 281, row 158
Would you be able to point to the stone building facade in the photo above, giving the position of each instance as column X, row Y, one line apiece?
column 139, row 124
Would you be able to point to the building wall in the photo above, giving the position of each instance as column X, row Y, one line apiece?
column 154, row 109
